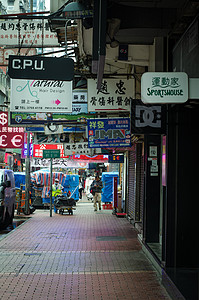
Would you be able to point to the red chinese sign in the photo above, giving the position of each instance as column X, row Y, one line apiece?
column 38, row 149
column 10, row 137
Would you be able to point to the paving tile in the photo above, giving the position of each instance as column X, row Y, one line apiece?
column 85, row 256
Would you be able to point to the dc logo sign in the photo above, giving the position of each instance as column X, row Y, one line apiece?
column 148, row 116
column 147, row 119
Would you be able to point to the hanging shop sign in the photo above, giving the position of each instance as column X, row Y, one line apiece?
column 79, row 104
column 66, row 137
column 147, row 118
column 114, row 95
column 38, row 149
column 113, row 132
column 10, row 137
column 42, row 138
column 41, row 96
column 79, row 113
column 164, row 87
column 25, row 33
column 77, row 148
column 98, row 158
column 24, row 150
column 45, row 68
column 58, row 163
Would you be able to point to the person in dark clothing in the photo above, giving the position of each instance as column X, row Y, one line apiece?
column 81, row 188
column 96, row 188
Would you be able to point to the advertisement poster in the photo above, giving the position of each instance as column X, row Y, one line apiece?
column 104, row 133
column 41, row 96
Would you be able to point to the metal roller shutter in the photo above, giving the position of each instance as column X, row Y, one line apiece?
column 131, row 184
column 139, row 183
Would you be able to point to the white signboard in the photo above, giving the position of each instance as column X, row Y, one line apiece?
column 164, row 87
column 80, row 104
column 41, row 96
column 77, row 148
column 114, row 95
column 57, row 163
column 27, row 33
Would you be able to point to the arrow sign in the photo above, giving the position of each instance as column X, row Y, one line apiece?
column 57, row 102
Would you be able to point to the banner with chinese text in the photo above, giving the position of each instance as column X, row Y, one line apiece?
column 27, row 33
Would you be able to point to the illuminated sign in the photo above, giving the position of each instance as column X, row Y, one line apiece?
column 116, row 158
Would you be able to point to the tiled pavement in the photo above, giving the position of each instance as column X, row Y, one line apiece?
column 87, row 255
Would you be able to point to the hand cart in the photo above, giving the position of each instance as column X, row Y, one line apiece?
column 63, row 204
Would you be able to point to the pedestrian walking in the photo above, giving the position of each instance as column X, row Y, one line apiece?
column 81, row 188
column 96, row 188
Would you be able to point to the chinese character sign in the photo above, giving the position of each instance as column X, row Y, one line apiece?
column 113, row 132
column 26, row 33
column 165, row 87
column 76, row 148
column 38, row 149
column 114, row 95
column 10, row 137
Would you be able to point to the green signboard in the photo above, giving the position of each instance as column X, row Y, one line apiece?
column 51, row 153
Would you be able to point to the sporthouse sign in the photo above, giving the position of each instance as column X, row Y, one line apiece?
column 164, row 87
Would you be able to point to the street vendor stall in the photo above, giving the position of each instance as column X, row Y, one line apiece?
column 41, row 183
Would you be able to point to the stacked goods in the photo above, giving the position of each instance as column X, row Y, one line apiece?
column 41, row 183
column 107, row 191
column 71, row 184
